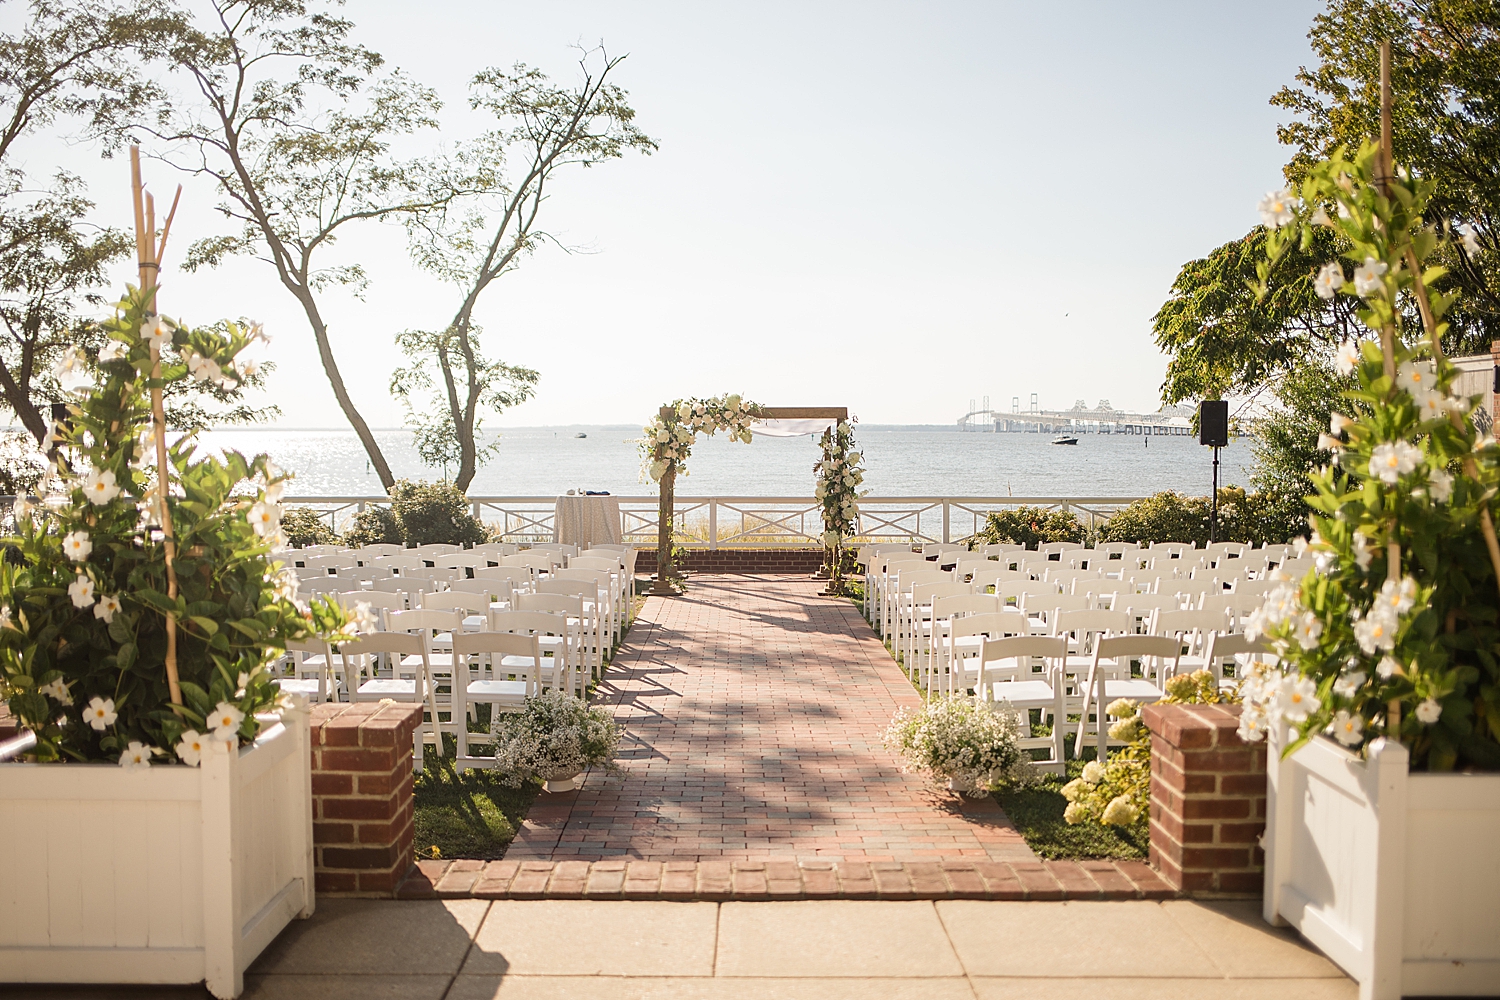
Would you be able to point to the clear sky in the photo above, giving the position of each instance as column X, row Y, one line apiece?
column 894, row 207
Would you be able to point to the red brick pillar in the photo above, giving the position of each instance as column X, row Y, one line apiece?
column 363, row 819
column 1208, row 799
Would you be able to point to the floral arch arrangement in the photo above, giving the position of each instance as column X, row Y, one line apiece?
column 840, row 475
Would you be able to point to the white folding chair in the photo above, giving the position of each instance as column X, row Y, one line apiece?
column 553, row 637
column 1007, row 681
column 496, row 658
column 311, row 663
column 1109, row 678
column 415, row 689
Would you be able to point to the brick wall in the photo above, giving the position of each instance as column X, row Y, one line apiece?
column 1208, row 799
column 800, row 561
column 363, row 820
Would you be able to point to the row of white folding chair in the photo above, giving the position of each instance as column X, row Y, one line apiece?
column 900, row 598
column 1006, row 681
column 920, row 623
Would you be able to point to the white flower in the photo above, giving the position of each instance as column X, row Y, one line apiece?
column 156, row 332
column 1093, row 773
column 113, row 350
column 204, row 369
column 1417, row 377
column 241, row 682
column 1440, row 485
column 255, row 331
column 136, row 756
column 1347, row 357
column 1432, row 405
column 20, row 510
column 1348, row 684
column 226, row 720
column 1374, row 633
column 106, row 608
column 76, row 545
column 1337, row 423
column 99, row 486
column 1429, row 712
column 100, row 713
column 1330, row 279
column 1388, row 667
column 363, row 619
column 72, row 370
column 1327, row 442
column 191, row 747
column 1470, row 236
column 1397, row 599
column 265, row 517
column 57, row 690
column 1277, row 208
column 1363, row 554
column 249, row 368
column 81, row 591
column 1299, row 698
column 1348, row 728
column 1367, row 277
column 1120, row 812
column 1320, row 218
column 1309, row 629
column 1393, row 459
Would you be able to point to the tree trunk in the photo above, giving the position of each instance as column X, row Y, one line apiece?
column 336, row 380
column 20, row 402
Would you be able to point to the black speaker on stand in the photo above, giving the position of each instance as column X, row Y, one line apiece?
column 1213, row 431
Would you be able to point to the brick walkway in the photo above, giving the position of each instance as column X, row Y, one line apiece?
column 754, row 709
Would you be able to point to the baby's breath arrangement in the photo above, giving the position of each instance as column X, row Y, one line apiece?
column 554, row 736
column 1394, row 631
column 119, row 639
column 959, row 740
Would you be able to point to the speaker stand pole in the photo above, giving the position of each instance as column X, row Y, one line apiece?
column 1213, row 504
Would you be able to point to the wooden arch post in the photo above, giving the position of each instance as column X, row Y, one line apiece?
column 666, row 496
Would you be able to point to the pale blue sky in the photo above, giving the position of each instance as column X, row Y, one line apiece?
column 897, row 207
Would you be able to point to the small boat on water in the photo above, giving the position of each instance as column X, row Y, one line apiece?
column 580, row 434
column 1065, row 439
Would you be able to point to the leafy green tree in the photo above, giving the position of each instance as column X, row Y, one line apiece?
column 1029, row 526
column 1445, row 82
column 541, row 128
column 285, row 114
column 1286, row 439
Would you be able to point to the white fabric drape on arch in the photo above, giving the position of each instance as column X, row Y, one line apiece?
column 792, row 428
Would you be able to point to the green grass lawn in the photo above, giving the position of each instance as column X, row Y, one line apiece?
column 471, row 815
column 1037, row 812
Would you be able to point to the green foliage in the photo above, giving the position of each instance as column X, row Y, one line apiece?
column 1222, row 338
column 375, row 526
column 1395, row 628
column 434, row 512
column 1445, row 126
column 1029, row 526
column 304, row 526
column 1037, row 809
column 83, row 627
column 1288, row 441
column 1260, row 518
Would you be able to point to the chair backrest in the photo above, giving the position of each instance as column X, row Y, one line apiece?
column 965, row 604
column 543, row 560
column 1087, row 625
column 586, row 589
column 425, row 620
column 399, row 642
column 996, row 548
column 625, row 560
column 431, row 549
column 992, row 623
column 1117, row 647
column 489, row 588
column 889, row 562
column 1008, row 589
column 500, row 644
column 993, row 578
column 608, row 563
column 908, row 579
column 578, row 574
column 555, row 603
column 530, row 622
column 925, row 593
column 1019, row 648
column 565, row 548
column 496, row 549
column 1173, row 550
column 376, row 549
column 463, row 560
column 434, row 573
column 457, row 600
column 1294, row 569
column 1254, row 588
column 1046, row 604
column 1223, row 645
column 378, row 600
column 400, row 562
column 1182, row 622
column 1116, row 548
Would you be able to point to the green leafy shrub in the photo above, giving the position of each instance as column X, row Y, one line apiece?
column 375, row 526
column 1174, row 517
column 304, row 526
column 87, row 610
column 1029, row 526
column 435, row 512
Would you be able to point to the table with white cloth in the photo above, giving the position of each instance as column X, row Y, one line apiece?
column 586, row 521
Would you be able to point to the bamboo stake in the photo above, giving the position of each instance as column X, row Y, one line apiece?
column 148, row 256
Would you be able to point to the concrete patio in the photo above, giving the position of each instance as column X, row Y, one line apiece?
column 473, row 949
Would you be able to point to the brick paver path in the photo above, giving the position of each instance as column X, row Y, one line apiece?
column 754, row 709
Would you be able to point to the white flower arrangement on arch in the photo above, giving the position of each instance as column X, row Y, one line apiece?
column 840, row 475
column 667, row 441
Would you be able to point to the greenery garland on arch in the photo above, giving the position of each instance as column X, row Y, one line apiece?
column 840, row 474
column 665, row 447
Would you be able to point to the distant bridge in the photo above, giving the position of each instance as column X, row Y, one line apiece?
column 1081, row 419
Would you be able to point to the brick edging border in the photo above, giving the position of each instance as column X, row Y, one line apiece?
column 766, row 880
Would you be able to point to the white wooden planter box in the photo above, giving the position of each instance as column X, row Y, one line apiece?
column 1395, row 876
column 166, row 875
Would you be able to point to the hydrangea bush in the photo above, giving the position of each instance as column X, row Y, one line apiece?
column 1394, row 630
column 959, row 740
column 87, row 603
column 553, row 736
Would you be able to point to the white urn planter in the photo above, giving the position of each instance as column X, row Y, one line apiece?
column 1394, row 875
column 561, row 782
column 164, row 875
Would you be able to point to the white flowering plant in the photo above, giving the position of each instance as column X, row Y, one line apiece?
column 959, row 740
column 840, row 474
column 1393, row 632
column 667, row 440
column 120, row 641
column 553, row 736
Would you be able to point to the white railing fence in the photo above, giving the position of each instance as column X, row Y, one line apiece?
column 749, row 522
